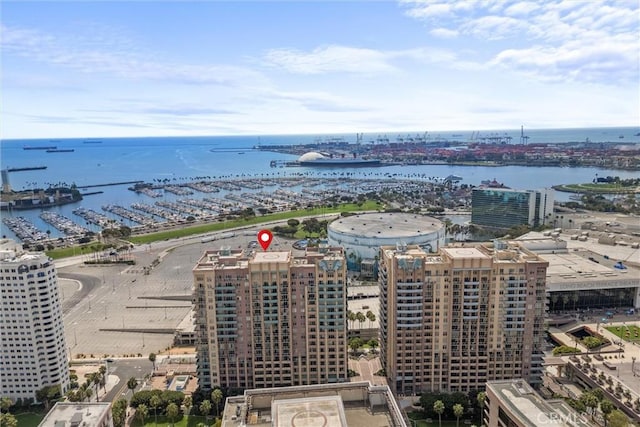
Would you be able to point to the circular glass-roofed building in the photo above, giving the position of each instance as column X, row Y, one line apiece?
column 362, row 235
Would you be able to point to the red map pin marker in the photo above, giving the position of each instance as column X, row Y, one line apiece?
column 264, row 238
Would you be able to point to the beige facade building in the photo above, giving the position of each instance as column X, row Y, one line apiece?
column 455, row 319
column 513, row 403
column 269, row 319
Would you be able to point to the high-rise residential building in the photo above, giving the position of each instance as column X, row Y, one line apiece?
column 455, row 319
column 32, row 344
column 506, row 208
column 269, row 319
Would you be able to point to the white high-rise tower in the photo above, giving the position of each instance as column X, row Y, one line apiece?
column 32, row 343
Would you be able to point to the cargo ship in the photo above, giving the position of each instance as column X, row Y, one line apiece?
column 65, row 150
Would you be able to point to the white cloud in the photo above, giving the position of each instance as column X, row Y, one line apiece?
column 444, row 33
column 558, row 40
column 119, row 58
column 494, row 27
column 330, row 59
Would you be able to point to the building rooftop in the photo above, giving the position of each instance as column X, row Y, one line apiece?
column 65, row 414
column 358, row 404
column 466, row 252
column 530, row 409
column 309, row 411
column 267, row 257
column 386, row 225
column 585, row 262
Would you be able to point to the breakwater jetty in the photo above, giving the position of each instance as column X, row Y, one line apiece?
column 108, row 184
column 26, row 168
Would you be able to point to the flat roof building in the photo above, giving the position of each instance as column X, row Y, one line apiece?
column 358, row 404
column 513, row 403
column 587, row 274
column 65, row 414
column 33, row 352
column 270, row 319
column 506, row 208
column 455, row 319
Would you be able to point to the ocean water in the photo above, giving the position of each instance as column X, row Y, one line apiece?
column 182, row 158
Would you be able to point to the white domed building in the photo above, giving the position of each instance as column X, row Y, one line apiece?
column 311, row 156
column 362, row 235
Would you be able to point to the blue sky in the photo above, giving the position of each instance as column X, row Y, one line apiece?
column 154, row 68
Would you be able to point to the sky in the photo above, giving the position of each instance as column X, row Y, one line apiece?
column 159, row 68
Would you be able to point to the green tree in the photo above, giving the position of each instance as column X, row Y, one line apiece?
column 590, row 402
column 47, row 394
column 119, row 412
column 598, row 393
column 96, row 379
column 132, row 383
column 142, row 412
column 188, row 403
column 617, row 418
column 152, row 358
column 438, row 408
column 293, row 222
column 351, row 316
column 172, row 412
column 606, row 407
column 373, row 343
column 216, row 397
column 361, row 318
column 154, row 403
column 5, row 404
column 8, row 420
column 205, row 409
column 355, row 343
column 458, row 411
column 371, row 317
column 480, row 398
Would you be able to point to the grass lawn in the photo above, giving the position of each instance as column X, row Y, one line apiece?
column 608, row 188
column 186, row 231
column 30, row 419
column 627, row 332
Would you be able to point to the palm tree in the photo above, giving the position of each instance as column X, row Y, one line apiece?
column 142, row 412
column 458, row 411
column 132, row 384
column 371, row 317
column 152, row 359
column 103, row 376
column 361, row 318
column 205, row 408
column 96, row 378
column 155, row 402
column 480, row 397
column 438, row 408
column 352, row 317
column 216, row 397
column 187, row 402
column 172, row 412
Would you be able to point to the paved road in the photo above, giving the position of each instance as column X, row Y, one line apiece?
column 125, row 369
